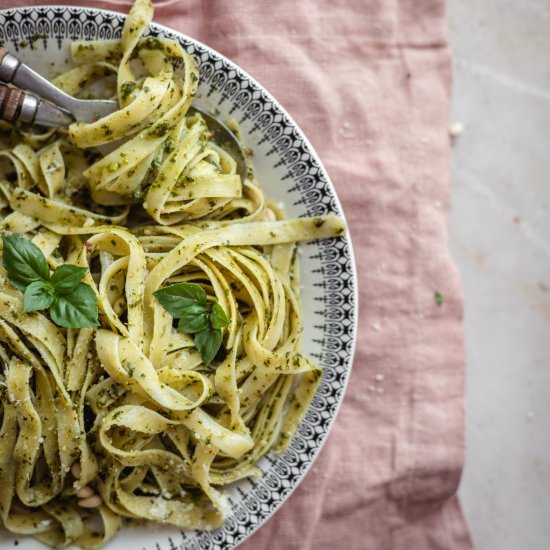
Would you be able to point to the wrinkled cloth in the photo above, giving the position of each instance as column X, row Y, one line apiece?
column 369, row 82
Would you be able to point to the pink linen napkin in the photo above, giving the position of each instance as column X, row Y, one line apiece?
column 369, row 82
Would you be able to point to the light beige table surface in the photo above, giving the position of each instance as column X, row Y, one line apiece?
column 500, row 238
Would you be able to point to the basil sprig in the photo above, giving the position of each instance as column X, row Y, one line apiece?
column 188, row 303
column 71, row 303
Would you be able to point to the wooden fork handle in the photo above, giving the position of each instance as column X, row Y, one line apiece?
column 11, row 102
column 21, row 101
column 16, row 105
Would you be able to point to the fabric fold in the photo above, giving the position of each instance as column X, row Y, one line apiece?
column 369, row 83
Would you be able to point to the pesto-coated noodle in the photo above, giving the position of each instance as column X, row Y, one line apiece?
column 127, row 420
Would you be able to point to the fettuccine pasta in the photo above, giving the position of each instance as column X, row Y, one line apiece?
column 126, row 422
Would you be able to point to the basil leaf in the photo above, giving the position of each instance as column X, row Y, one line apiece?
column 38, row 295
column 196, row 324
column 193, row 318
column 77, row 309
column 23, row 261
column 66, row 277
column 208, row 343
column 218, row 318
column 175, row 298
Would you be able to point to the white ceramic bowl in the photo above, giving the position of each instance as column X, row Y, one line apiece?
column 290, row 172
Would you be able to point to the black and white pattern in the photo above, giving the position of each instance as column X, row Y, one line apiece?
column 289, row 171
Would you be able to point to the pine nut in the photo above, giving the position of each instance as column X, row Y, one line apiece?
column 269, row 215
column 75, row 470
column 91, row 502
column 85, row 492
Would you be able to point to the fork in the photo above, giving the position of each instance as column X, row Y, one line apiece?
column 50, row 106
column 62, row 109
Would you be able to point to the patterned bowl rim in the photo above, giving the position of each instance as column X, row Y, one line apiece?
column 166, row 30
